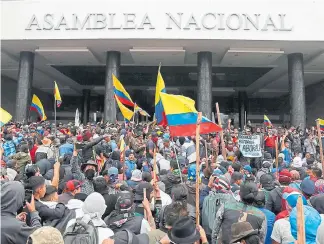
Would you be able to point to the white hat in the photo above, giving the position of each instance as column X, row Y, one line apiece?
column 297, row 162
column 281, row 155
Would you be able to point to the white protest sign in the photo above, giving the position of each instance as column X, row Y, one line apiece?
column 250, row 145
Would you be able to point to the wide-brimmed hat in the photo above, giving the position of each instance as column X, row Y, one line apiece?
column 46, row 141
column 89, row 162
column 241, row 230
column 184, row 231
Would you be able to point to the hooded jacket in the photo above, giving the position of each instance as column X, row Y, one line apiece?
column 170, row 180
column 44, row 166
column 12, row 229
column 93, row 208
column 22, row 160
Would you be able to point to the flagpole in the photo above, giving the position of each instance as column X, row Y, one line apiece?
column 178, row 163
column 197, row 166
column 134, row 113
column 221, row 132
column 55, row 116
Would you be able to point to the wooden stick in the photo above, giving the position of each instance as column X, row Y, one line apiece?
column 301, row 238
column 277, row 162
column 221, row 133
column 134, row 112
column 144, row 194
column 197, row 166
column 320, row 143
column 154, row 164
column 175, row 152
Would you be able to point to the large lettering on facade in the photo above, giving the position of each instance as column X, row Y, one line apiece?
column 173, row 21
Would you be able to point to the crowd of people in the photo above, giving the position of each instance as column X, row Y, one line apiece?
column 134, row 183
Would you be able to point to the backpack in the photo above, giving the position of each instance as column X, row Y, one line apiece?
column 81, row 233
column 210, row 207
column 40, row 155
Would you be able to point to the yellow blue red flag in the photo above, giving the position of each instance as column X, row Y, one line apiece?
column 57, row 95
column 38, row 107
column 159, row 110
column 126, row 112
column 181, row 116
column 5, row 117
column 267, row 121
column 123, row 96
column 121, row 93
column 321, row 124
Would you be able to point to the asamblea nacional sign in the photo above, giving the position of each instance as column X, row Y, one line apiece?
column 172, row 21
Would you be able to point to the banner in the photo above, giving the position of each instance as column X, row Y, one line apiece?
column 250, row 145
column 77, row 118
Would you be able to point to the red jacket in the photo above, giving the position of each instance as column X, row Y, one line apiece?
column 270, row 141
column 33, row 153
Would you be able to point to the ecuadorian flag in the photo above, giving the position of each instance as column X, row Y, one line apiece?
column 5, row 117
column 321, row 124
column 57, row 95
column 126, row 112
column 121, row 93
column 267, row 121
column 159, row 110
column 181, row 116
column 38, row 107
column 123, row 97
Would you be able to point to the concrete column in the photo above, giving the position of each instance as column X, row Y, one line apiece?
column 24, row 85
column 204, row 97
column 86, row 105
column 112, row 67
column 242, row 108
column 297, row 90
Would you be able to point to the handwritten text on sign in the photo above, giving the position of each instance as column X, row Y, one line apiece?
column 250, row 145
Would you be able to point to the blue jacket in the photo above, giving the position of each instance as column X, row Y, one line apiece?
column 66, row 148
column 130, row 165
column 9, row 147
column 270, row 216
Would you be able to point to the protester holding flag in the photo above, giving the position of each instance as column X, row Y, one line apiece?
column 38, row 107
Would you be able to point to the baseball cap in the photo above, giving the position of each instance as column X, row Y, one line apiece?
column 112, row 171
column 124, row 201
column 72, row 185
column 136, row 175
column 308, row 186
column 292, row 198
column 248, row 168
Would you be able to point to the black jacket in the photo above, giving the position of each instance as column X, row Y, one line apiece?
column 110, row 200
column 87, row 151
column 169, row 181
column 273, row 202
column 48, row 214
